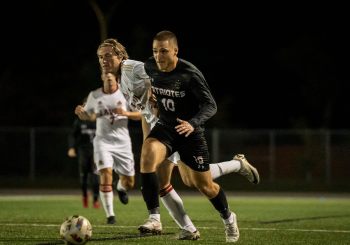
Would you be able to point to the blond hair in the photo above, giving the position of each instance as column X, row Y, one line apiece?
column 117, row 47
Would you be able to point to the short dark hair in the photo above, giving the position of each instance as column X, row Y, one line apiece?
column 166, row 35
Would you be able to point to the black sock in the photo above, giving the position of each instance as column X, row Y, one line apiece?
column 83, row 183
column 150, row 189
column 220, row 204
column 95, row 186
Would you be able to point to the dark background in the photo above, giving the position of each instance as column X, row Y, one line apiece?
column 268, row 65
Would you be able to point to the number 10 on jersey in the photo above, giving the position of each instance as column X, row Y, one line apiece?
column 168, row 104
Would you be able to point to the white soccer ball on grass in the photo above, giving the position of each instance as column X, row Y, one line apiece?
column 76, row 230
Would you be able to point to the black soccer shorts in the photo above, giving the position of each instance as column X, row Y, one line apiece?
column 193, row 150
column 86, row 160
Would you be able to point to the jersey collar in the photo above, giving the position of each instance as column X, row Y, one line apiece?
column 103, row 90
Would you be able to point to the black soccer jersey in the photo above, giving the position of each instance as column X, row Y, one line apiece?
column 82, row 134
column 181, row 93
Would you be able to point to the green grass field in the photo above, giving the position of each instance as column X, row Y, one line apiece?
column 261, row 220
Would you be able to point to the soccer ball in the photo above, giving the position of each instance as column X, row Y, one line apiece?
column 76, row 230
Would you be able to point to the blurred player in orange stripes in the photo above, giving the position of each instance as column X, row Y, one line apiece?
column 112, row 143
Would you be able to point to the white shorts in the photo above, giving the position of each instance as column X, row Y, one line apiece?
column 121, row 160
column 174, row 158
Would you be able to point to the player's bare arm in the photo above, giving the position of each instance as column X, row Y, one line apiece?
column 133, row 115
column 79, row 110
column 153, row 100
column 146, row 128
column 156, row 112
column 71, row 152
column 184, row 127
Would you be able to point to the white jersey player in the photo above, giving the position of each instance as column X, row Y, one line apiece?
column 112, row 143
column 135, row 86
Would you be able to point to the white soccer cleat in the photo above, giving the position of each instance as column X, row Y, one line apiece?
column 231, row 230
column 247, row 170
column 187, row 235
column 151, row 226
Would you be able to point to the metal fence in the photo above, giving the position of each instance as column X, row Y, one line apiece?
column 288, row 154
column 305, row 155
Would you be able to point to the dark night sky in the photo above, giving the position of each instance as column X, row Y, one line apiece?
column 268, row 65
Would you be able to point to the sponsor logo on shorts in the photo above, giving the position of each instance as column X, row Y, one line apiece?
column 100, row 163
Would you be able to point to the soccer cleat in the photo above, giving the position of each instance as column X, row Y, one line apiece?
column 85, row 202
column 187, row 235
column 96, row 205
column 151, row 226
column 247, row 170
column 231, row 230
column 111, row 220
column 123, row 197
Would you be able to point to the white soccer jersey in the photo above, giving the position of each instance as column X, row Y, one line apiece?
column 111, row 130
column 134, row 85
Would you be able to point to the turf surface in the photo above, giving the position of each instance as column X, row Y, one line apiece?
column 261, row 220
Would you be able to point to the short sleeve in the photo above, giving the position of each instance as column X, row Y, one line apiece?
column 142, row 82
column 90, row 105
column 139, row 71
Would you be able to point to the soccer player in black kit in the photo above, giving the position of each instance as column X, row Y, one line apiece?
column 185, row 103
column 80, row 138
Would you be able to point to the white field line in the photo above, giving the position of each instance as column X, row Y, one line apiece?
column 170, row 227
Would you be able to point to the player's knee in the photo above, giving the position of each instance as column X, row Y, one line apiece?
column 152, row 147
column 149, row 148
column 147, row 156
column 105, row 188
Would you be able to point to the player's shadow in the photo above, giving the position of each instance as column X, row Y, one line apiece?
column 24, row 240
column 124, row 236
column 279, row 221
column 300, row 219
